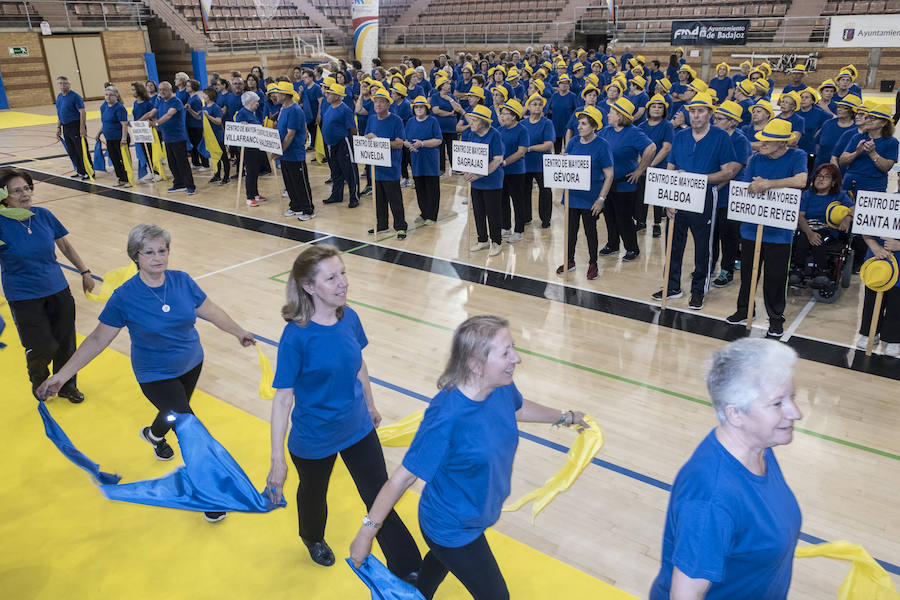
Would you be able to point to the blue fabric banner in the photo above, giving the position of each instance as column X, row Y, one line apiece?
column 383, row 584
column 66, row 149
column 99, row 154
column 61, row 440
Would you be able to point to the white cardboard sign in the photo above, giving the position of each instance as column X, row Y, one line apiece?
column 776, row 208
column 470, row 157
column 878, row 214
column 375, row 151
column 241, row 135
column 141, row 132
column 269, row 139
column 671, row 189
column 571, row 172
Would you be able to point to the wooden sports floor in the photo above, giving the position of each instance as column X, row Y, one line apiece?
column 600, row 346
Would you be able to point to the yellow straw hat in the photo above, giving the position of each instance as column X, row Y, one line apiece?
column 284, row 87
column 337, row 89
column 380, row 92
column 879, row 274
column 835, row 213
column 400, row 89
column 701, row 100
column 746, row 87
column 730, row 109
column 501, row 89
column 723, row 64
column 828, row 83
column 421, row 101
column 588, row 89
column 617, row 84
column 594, row 113
column 665, row 83
column 440, row 80
column 776, row 130
column 534, row 97
column 540, row 85
column 881, row 111
column 657, row 99
column 515, row 106
column 475, row 91
column 851, row 101
column 698, row 85
column 639, row 81
column 482, row 112
column 763, row 85
column 624, row 107
column 812, row 92
column 765, row 104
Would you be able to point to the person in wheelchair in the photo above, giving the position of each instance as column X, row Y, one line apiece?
column 826, row 213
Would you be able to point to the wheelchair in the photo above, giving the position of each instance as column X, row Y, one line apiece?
column 825, row 269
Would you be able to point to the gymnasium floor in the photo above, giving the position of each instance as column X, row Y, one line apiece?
column 600, row 346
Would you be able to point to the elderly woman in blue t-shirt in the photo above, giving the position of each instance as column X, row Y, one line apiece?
column 464, row 452
column 732, row 521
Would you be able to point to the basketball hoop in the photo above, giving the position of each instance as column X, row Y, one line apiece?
column 266, row 9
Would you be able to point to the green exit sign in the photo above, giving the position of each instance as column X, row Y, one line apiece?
column 18, row 50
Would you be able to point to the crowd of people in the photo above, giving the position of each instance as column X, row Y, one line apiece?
column 625, row 112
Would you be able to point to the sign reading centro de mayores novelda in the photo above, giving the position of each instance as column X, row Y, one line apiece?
column 710, row 33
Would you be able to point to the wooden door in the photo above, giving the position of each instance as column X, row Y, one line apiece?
column 60, row 54
column 92, row 64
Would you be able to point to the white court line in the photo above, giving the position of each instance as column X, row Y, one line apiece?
column 793, row 327
column 258, row 258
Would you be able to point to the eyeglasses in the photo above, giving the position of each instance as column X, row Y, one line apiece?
column 20, row 190
column 823, row 176
column 160, row 252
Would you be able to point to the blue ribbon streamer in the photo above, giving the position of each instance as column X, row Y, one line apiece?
column 61, row 440
column 383, row 584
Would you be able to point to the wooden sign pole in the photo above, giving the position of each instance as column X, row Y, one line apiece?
column 754, row 277
column 876, row 312
column 565, row 262
column 670, row 235
column 237, row 196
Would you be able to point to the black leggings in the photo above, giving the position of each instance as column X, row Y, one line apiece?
column 514, row 190
column 473, row 564
column 590, row 232
column 114, row 149
column 195, row 134
column 365, row 461
column 46, row 328
column 488, row 214
column 619, row 215
column 296, row 182
column 447, row 148
column 545, row 198
column 428, row 195
column 170, row 395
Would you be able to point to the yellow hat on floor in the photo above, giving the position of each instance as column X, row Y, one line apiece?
column 594, row 113
column 482, row 112
column 879, row 274
column 835, row 213
column 776, row 130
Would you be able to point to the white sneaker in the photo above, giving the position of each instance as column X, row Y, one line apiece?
column 284, row 194
column 404, row 183
column 201, row 169
column 305, row 216
column 148, row 177
column 291, row 213
column 864, row 341
column 478, row 246
column 514, row 237
column 892, row 350
column 505, row 232
column 495, row 250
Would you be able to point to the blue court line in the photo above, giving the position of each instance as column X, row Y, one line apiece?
column 657, row 483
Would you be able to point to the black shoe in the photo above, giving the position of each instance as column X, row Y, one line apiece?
column 819, row 282
column 776, row 329
column 353, row 205
column 366, row 191
column 385, row 230
column 672, row 294
column 795, row 278
column 329, row 180
column 606, row 250
column 657, row 231
column 320, row 553
column 161, row 448
column 72, row 395
column 225, row 181
column 401, row 234
column 696, row 301
column 215, row 178
column 738, row 318
column 640, row 227
column 214, row 517
column 412, row 578
column 724, row 279
column 331, row 201
column 631, row 255
column 545, row 225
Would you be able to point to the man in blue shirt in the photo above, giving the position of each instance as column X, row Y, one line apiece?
column 72, row 124
column 384, row 124
column 312, row 100
column 705, row 150
column 796, row 75
column 174, row 134
column 338, row 127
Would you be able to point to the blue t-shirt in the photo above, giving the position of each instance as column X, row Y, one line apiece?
column 196, row 104
column 512, row 138
column 797, row 122
column 862, row 170
column 28, row 266
column 172, row 130
column 640, row 100
column 626, row 146
column 139, row 109
column 492, row 181
column 729, row 526
column 793, row 88
column 234, row 104
column 561, row 108
column 447, row 124
column 424, row 161
column 464, row 452
column 164, row 345
column 337, row 122
column 829, row 134
column 363, row 120
column 813, row 206
column 601, row 157
column 705, row 156
column 812, row 123
column 67, row 107
column 111, row 118
column 747, row 105
column 660, row 133
column 245, row 115
column 292, row 117
column 538, row 133
column 321, row 363
column 213, row 110
column 390, row 127
column 742, row 152
column 402, row 109
column 787, row 165
column 721, row 86
column 221, row 102
column 182, row 95
column 463, row 87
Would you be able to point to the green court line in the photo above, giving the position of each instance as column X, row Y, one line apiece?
column 634, row 382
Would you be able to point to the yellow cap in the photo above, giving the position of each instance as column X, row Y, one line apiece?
column 482, row 112
column 776, row 130
column 400, row 89
column 595, row 115
column 421, row 101
column 515, row 106
column 730, row 109
column 337, row 89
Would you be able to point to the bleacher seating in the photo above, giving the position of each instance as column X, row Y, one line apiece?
column 866, row 7
column 389, row 11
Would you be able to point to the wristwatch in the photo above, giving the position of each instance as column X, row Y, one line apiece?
column 370, row 523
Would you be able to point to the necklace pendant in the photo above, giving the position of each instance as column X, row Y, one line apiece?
column 29, row 230
column 165, row 308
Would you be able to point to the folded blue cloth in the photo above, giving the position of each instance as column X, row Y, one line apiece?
column 383, row 584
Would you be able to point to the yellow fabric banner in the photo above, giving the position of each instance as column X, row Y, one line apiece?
column 320, row 146
column 157, row 155
column 402, row 432
column 126, row 160
column 212, row 144
column 867, row 580
column 112, row 280
column 580, row 455
column 266, row 391
column 88, row 163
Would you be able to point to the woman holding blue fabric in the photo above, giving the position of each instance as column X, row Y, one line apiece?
column 322, row 373
column 159, row 307
column 464, row 451
column 114, row 128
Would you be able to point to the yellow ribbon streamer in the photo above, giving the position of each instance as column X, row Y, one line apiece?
column 157, row 155
column 211, row 143
column 126, row 161
column 580, row 455
column 320, row 146
column 867, row 580
column 86, row 158
column 266, row 391
column 112, row 280
column 402, row 432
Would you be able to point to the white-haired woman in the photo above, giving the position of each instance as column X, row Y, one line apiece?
column 114, row 127
column 321, row 374
column 464, row 452
column 732, row 521
column 253, row 158
column 159, row 307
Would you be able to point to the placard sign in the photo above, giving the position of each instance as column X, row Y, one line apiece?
column 878, row 214
column 671, row 189
column 141, row 132
column 375, row 151
column 241, row 134
column 269, row 139
column 567, row 172
column 470, row 157
column 776, row 208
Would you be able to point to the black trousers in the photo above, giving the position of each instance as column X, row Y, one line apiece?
column 888, row 320
column 46, row 329
column 700, row 225
column 114, row 149
column 777, row 259
column 404, row 163
column 428, row 194
column 488, row 214
column 387, row 193
column 343, row 169
column 618, row 212
column 224, row 166
column 514, row 192
column 252, row 163
column 590, row 232
column 170, row 396
column 72, row 136
column 296, row 182
column 368, row 172
column 558, row 145
column 641, row 210
column 803, row 249
column 473, row 565
column 176, row 153
column 545, row 197
column 195, row 134
column 311, row 128
column 365, row 461
column 726, row 240
column 447, row 148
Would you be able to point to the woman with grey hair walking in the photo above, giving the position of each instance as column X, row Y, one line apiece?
column 732, row 521
column 464, row 452
column 159, row 307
